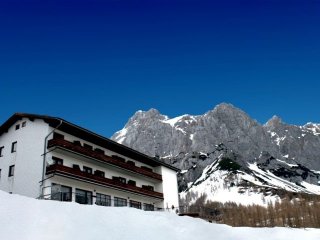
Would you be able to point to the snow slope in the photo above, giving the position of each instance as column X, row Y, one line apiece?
column 241, row 187
column 26, row 218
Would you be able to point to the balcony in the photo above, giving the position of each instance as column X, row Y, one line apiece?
column 78, row 174
column 102, row 157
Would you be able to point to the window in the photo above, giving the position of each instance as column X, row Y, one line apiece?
column 61, row 193
column 120, row 202
column 11, row 170
column 76, row 167
column 131, row 182
column 57, row 136
column 76, row 142
column 148, row 207
column 87, row 146
column 83, row 196
column 135, row 204
column 149, row 188
column 122, row 180
column 119, row 179
column 1, row 151
column 131, row 163
column 87, row 170
column 99, row 173
column 57, row 161
column 24, row 124
column 14, row 147
column 103, row 200
column 98, row 150
column 17, row 126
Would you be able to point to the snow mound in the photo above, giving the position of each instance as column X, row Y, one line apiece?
column 26, row 218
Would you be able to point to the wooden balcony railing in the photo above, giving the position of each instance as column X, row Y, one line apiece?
column 68, row 171
column 102, row 157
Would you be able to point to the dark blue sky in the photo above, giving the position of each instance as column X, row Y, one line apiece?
column 95, row 63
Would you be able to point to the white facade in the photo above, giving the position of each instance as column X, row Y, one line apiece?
column 27, row 160
column 32, row 178
column 170, row 188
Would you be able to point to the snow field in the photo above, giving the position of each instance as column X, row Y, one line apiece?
column 26, row 218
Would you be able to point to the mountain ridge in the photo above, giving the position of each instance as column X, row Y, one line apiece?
column 191, row 142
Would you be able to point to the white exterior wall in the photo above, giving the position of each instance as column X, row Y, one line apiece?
column 27, row 159
column 170, row 187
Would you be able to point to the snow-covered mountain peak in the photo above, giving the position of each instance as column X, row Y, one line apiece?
column 192, row 143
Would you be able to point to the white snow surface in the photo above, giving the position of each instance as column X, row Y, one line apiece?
column 121, row 135
column 313, row 127
column 220, row 186
column 31, row 219
column 290, row 165
column 216, row 189
column 278, row 182
column 173, row 121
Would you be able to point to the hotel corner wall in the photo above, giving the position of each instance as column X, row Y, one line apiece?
column 170, row 187
column 27, row 159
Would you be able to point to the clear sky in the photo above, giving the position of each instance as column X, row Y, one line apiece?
column 95, row 63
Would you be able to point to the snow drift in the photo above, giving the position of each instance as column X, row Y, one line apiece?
column 26, row 218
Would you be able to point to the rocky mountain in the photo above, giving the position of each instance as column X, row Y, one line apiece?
column 225, row 149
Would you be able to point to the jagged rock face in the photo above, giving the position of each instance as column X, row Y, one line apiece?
column 156, row 134
column 149, row 133
column 298, row 144
column 191, row 143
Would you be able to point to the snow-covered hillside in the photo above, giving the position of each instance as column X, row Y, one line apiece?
column 26, row 218
column 255, row 185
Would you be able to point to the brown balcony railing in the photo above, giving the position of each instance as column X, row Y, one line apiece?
column 102, row 157
column 68, row 171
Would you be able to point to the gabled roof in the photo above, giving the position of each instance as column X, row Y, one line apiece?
column 87, row 135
